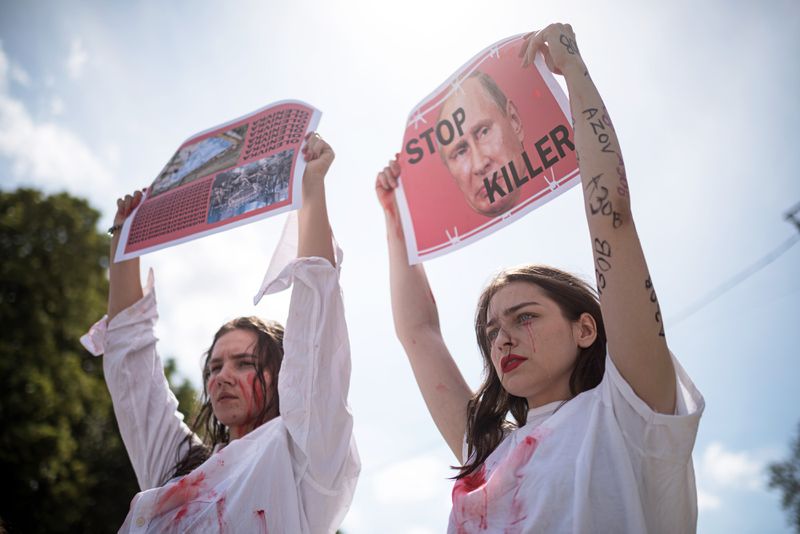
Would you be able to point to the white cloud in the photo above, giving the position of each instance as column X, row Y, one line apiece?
column 733, row 470
column 77, row 59
column 707, row 501
column 43, row 153
column 19, row 75
column 419, row 479
column 56, row 105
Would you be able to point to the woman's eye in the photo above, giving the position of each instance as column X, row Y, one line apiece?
column 491, row 335
column 525, row 318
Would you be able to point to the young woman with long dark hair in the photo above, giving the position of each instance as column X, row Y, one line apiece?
column 272, row 448
column 584, row 421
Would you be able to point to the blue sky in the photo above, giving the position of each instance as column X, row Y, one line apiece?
column 95, row 98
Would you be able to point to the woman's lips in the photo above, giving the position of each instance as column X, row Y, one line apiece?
column 510, row 362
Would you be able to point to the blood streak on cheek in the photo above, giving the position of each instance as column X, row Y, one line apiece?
column 246, row 387
column 529, row 328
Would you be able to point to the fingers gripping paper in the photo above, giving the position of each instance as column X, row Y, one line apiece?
column 492, row 143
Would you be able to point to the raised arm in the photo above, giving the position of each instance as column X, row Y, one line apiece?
column 313, row 226
column 125, row 285
column 416, row 322
column 633, row 321
column 146, row 410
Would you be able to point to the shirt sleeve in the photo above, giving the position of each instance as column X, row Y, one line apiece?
column 147, row 413
column 313, row 385
column 668, row 437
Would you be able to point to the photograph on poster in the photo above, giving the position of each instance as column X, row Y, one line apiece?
column 250, row 187
column 200, row 159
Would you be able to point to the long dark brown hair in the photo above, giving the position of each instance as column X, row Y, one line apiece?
column 487, row 411
column 269, row 355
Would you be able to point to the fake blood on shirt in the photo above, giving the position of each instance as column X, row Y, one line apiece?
column 481, row 504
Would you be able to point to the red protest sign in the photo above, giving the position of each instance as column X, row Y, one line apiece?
column 489, row 145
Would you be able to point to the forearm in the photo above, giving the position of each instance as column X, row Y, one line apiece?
column 628, row 300
column 413, row 306
column 315, row 237
column 125, row 286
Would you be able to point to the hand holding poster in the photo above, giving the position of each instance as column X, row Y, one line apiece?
column 236, row 173
column 492, row 143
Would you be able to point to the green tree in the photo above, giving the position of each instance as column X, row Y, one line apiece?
column 785, row 476
column 63, row 464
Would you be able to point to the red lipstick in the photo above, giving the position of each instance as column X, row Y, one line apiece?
column 510, row 362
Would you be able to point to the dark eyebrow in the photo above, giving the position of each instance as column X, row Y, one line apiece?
column 513, row 309
column 240, row 356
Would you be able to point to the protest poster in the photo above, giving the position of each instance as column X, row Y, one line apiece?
column 233, row 174
column 489, row 145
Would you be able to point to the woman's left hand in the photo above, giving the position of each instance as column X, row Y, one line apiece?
column 318, row 156
column 558, row 46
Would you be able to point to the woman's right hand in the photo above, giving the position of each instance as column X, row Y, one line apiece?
column 125, row 207
column 124, row 280
column 385, row 185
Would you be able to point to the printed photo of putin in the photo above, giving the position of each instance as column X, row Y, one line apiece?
column 492, row 137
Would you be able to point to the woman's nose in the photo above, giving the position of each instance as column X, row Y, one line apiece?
column 503, row 339
column 225, row 375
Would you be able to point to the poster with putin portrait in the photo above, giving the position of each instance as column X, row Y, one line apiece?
column 489, row 145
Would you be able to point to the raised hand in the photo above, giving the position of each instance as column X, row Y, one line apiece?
column 557, row 44
column 385, row 185
column 318, row 156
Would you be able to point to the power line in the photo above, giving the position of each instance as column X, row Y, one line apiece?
column 739, row 278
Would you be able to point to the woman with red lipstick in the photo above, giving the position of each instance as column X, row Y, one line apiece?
column 584, row 421
column 272, row 448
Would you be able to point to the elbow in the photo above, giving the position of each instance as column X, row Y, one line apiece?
column 410, row 335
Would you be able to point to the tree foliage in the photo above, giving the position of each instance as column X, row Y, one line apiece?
column 63, row 464
column 785, row 476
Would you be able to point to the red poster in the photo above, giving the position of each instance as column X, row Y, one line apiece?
column 233, row 174
column 492, row 143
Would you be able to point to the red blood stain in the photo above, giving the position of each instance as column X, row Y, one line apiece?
column 386, row 198
column 181, row 514
column 471, row 500
column 262, row 522
column 516, row 461
column 529, row 328
column 470, row 482
column 181, row 493
column 494, row 505
column 250, row 392
column 221, row 513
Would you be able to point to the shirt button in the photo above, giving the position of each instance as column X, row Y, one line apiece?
column 139, row 521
